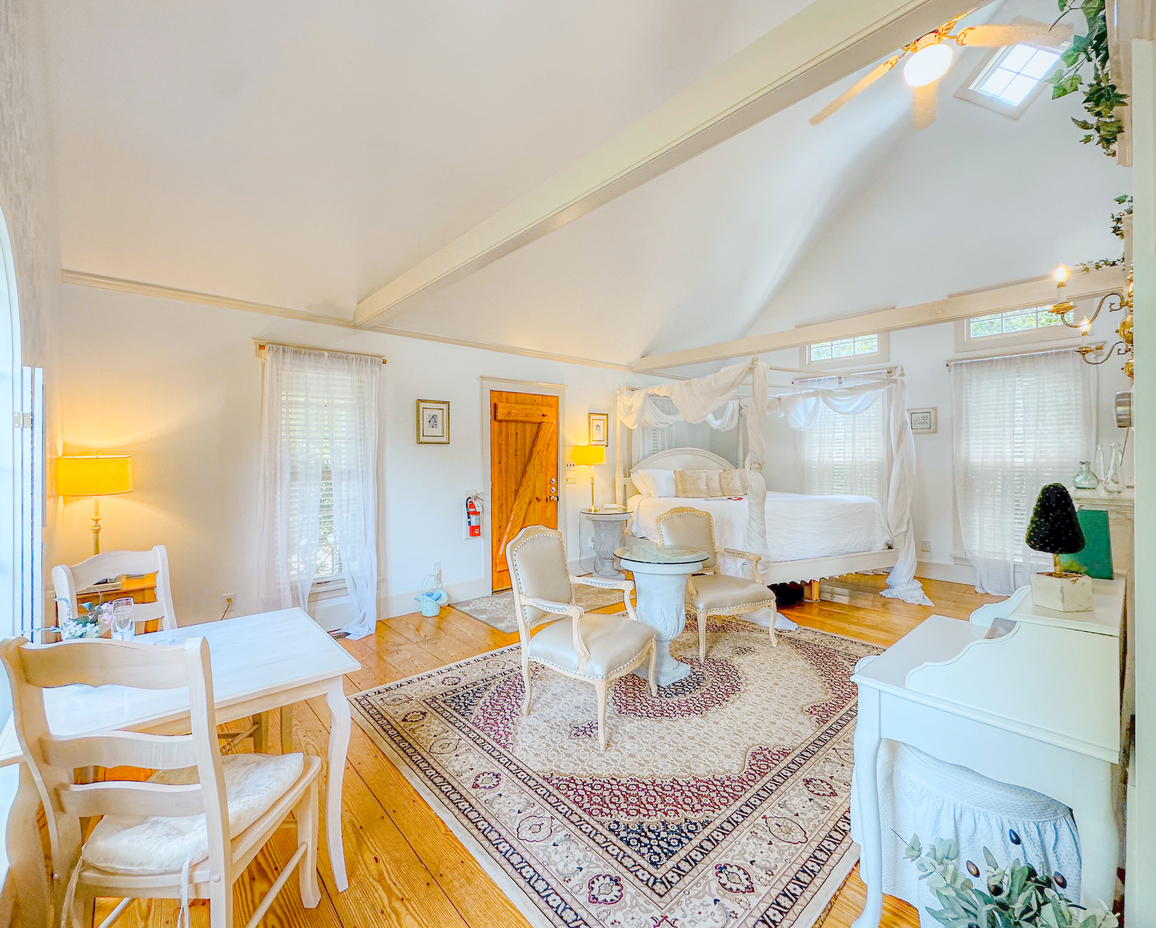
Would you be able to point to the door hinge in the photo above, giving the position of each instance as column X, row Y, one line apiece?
column 22, row 420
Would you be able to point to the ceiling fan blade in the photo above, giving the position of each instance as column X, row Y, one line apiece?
column 859, row 86
column 996, row 36
column 926, row 103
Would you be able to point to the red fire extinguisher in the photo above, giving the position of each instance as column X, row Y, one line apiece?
column 474, row 516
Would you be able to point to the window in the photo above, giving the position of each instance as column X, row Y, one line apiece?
column 328, row 553
column 1012, row 321
column 844, row 352
column 1019, row 423
column 1010, row 78
column 845, row 454
column 1016, row 73
column 844, row 348
column 1012, row 327
column 319, row 478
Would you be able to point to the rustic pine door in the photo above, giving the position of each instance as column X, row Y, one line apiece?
column 523, row 470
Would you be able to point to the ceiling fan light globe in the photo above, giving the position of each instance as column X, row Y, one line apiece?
column 928, row 64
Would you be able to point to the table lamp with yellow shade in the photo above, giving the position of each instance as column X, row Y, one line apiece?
column 588, row 456
column 94, row 475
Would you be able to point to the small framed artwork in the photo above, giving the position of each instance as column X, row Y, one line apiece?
column 599, row 428
column 923, row 421
column 433, row 422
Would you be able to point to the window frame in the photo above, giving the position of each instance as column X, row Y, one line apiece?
column 872, row 360
column 991, row 60
column 1059, row 336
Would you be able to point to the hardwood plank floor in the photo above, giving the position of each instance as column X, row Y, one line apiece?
column 405, row 866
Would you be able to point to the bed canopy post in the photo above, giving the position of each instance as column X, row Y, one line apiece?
column 619, row 477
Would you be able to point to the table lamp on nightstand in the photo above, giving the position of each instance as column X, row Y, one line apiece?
column 588, row 456
column 94, row 475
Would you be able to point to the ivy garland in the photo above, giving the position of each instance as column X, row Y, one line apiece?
column 1101, row 96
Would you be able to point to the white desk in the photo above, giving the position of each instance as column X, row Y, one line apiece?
column 1034, row 701
column 260, row 662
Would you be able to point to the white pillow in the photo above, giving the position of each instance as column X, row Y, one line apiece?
column 653, row 482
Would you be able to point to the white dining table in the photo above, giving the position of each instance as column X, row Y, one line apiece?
column 259, row 663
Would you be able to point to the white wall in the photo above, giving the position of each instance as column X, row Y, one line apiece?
column 178, row 387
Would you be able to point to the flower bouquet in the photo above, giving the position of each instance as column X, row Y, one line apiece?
column 1007, row 898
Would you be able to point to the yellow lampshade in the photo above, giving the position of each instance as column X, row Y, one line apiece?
column 94, row 475
column 589, row 454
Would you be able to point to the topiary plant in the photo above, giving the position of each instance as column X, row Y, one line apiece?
column 1054, row 527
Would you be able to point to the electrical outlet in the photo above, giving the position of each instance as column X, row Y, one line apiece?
column 229, row 603
column 925, row 546
column 438, row 570
column 570, row 472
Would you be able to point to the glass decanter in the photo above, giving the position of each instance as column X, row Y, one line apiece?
column 1085, row 479
column 1114, row 478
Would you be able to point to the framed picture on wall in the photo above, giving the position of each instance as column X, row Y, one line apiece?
column 923, row 420
column 600, row 428
column 433, row 422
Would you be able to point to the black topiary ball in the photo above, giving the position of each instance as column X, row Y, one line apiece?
column 1054, row 527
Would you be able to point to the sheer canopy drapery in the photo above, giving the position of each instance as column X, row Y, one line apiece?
column 702, row 397
column 318, row 417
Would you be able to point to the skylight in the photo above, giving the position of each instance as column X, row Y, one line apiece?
column 1015, row 72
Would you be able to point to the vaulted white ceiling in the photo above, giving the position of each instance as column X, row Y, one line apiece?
column 302, row 154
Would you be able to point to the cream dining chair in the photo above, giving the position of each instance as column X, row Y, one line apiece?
column 68, row 582
column 712, row 592
column 594, row 648
column 192, row 828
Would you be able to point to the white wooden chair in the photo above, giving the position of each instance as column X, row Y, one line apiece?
column 69, row 581
column 146, row 846
column 595, row 648
column 712, row 592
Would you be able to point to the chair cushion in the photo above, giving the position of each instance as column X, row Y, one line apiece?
column 613, row 640
column 162, row 844
column 718, row 591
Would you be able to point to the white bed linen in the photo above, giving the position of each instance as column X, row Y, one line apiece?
column 798, row 526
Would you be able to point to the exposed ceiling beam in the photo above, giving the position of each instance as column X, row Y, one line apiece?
column 120, row 285
column 826, row 41
column 1028, row 293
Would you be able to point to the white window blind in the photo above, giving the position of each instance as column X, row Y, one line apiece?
column 845, row 454
column 1019, row 423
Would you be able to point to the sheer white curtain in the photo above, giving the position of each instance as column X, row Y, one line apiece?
column 1019, row 423
column 317, row 405
column 846, row 453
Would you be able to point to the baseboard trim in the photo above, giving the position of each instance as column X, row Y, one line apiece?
column 949, row 573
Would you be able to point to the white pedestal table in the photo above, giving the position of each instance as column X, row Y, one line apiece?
column 660, row 573
column 608, row 527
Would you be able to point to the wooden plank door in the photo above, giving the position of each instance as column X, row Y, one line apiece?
column 523, row 470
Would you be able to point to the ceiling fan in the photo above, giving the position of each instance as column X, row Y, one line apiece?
column 931, row 57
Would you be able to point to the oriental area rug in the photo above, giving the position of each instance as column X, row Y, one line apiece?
column 723, row 801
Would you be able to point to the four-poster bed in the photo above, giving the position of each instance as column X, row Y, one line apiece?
column 796, row 524
column 776, row 524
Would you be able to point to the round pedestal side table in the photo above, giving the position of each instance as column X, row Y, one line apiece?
column 608, row 528
column 660, row 573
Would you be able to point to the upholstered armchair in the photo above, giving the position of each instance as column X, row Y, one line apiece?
column 595, row 648
column 712, row 592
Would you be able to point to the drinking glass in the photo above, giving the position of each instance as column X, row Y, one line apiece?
column 123, row 624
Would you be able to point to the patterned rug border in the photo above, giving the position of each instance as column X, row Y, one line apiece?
column 815, row 910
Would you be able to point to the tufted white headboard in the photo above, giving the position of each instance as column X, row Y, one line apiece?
column 679, row 459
